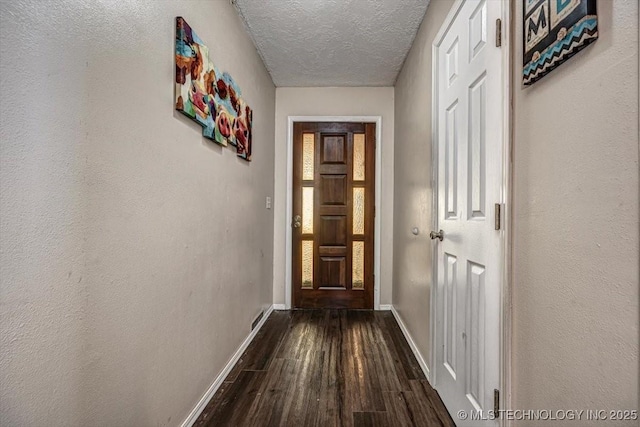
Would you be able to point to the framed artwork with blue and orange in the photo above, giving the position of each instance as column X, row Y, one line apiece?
column 209, row 97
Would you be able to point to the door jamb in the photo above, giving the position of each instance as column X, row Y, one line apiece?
column 505, row 194
column 288, row 287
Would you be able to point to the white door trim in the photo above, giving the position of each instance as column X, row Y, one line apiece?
column 506, row 197
column 289, row 211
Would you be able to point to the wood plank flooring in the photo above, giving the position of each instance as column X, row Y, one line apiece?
column 327, row 368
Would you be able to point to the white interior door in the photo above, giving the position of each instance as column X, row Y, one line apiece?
column 469, row 266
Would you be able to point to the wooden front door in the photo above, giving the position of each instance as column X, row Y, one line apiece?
column 333, row 215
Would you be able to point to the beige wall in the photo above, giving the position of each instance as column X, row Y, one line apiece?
column 134, row 253
column 345, row 101
column 412, row 182
column 575, row 262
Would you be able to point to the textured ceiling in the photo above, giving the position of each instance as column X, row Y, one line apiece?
column 333, row 42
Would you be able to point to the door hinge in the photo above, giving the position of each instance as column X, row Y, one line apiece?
column 498, row 213
column 496, row 402
column 498, row 32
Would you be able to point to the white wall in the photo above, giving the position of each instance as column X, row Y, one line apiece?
column 344, row 101
column 575, row 262
column 412, row 182
column 134, row 254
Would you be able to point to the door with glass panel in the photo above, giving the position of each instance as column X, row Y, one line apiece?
column 333, row 215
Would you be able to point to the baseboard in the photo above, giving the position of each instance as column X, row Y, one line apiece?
column 412, row 344
column 195, row 413
column 279, row 307
column 385, row 307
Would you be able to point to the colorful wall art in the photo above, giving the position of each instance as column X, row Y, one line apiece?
column 554, row 31
column 208, row 96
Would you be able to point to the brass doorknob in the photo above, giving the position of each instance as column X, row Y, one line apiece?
column 437, row 235
column 297, row 221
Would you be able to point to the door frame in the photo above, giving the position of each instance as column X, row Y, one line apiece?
column 288, row 288
column 505, row 195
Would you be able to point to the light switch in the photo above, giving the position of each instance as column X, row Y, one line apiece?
column 268, row 202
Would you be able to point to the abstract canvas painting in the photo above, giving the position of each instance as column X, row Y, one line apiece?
column 208, row 96
column 554, row 31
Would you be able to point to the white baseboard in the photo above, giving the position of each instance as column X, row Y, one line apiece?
column 385, row 307
column 195, row 413
column 279, row 307
column 412, row 344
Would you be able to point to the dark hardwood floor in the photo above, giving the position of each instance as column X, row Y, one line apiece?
column 327, row 368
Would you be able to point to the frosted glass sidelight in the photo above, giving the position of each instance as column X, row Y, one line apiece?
column 358, row 265
column 358, row 157
column 307, row 264
column 307, row 210
column 358, row 210
column 308, row 143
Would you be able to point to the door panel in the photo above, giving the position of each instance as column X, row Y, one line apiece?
column 333, row 231
column 333, row 193
column 469, row 140
column 334, row 190
column 333, row 272
column 334, row 149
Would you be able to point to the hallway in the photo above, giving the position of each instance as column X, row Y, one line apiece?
column 186, row 185
column 327, row 368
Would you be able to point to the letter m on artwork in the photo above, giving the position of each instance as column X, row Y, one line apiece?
column 536, row 25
